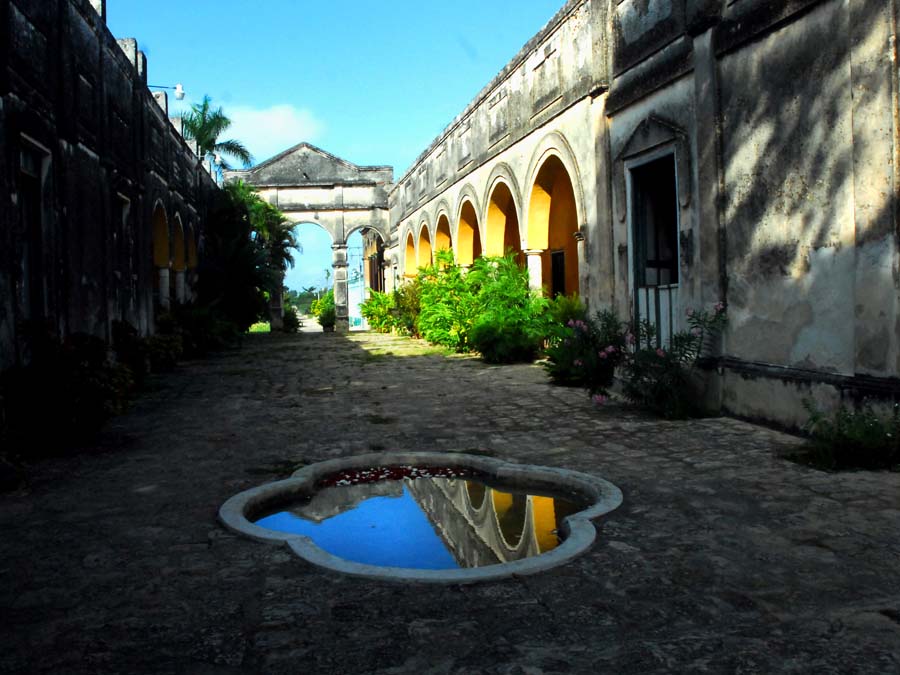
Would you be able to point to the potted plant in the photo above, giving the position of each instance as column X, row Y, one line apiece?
column 325, row 313
column 327, row 318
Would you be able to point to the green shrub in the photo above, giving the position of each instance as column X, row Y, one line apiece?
column 448, row 303
column 407, row 305
column 853, row 439
column 326, row 313
column 566, row 308
column 377, row 310
column 661, row 379
column 501, row 342
column 202, row 330
column 291, row 321
column 260, row 327
column 164, row 351
column 131, row 350
column 512, row 320
column 587, row 352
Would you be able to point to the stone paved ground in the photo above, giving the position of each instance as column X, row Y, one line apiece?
column 723, row 558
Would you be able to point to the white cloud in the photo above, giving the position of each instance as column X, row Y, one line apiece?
column 268, row 131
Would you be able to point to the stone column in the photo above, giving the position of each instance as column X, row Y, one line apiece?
column 584, row 289
column 341, row 308
column 163, row 278
column 276, row 307
column 535, row 269
column 179, row 286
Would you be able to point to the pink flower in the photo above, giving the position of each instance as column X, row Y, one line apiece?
column 599, row 399
column 571, row 323
column 689, row 312
column 719, row 307
column 695, row 331
column 579, row 362
column 661, row 353
column 610, row 350
column 629, row 338
column 602, row 355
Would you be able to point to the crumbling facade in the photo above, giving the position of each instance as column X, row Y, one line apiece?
column 106, row 201
column 659, row 156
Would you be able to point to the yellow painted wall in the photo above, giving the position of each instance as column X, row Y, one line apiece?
column 468, row 240
column 160, row 238
column 424, row 247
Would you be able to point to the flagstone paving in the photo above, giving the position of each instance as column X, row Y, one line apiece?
column 723, row 558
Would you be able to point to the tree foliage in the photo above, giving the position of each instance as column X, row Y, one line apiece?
column 246, row 252
column 206, row 125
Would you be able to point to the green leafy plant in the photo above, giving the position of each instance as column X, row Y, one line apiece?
column 660, row 379
column 290, row 321
column 407, row 305
column 512, row 320
column 857, row 438
column 378, row 311
column 566, row 308
column 448, row 303
column 326, row 313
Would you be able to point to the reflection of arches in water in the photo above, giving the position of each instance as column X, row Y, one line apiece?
column 510, row 511
column 483, row 525
column 476, row 492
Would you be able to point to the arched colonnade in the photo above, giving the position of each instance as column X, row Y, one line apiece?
column 540, row 224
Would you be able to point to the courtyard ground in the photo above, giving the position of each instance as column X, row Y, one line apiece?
column 723, row 557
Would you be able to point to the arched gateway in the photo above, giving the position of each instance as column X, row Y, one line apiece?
column 310, row 185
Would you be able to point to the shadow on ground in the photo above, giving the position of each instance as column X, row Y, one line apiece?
column 722, row 558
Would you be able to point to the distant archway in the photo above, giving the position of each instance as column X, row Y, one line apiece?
column 502, row 226
column 552, row 225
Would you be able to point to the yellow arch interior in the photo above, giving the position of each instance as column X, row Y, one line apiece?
column 468, row 241
column 160, row 238
column 424, row 258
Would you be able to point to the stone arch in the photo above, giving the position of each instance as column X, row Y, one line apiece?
column 468, row 232
column 443, row 241
column 179, row 260
column 179, row 247
column 423, row 246
column 378, row 229
column 409, row 258
column 160, row 224
column 553, row 225
column 501, row 219
column 511, row 511
column 554, row 144
column 191, row 251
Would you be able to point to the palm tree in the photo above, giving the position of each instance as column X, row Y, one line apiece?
column 205, row 125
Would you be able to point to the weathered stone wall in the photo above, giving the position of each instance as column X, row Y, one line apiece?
column 780, row 119
column 76, row 109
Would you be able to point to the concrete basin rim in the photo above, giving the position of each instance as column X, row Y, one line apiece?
column 580, row 531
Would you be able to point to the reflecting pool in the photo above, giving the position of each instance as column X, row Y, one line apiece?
column 423, row 518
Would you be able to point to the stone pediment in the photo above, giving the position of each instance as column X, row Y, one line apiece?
column 306, row 165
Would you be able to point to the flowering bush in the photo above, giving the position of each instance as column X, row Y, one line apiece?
column 587, row 352
column 660, row 379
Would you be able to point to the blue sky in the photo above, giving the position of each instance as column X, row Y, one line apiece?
column 372, row 82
